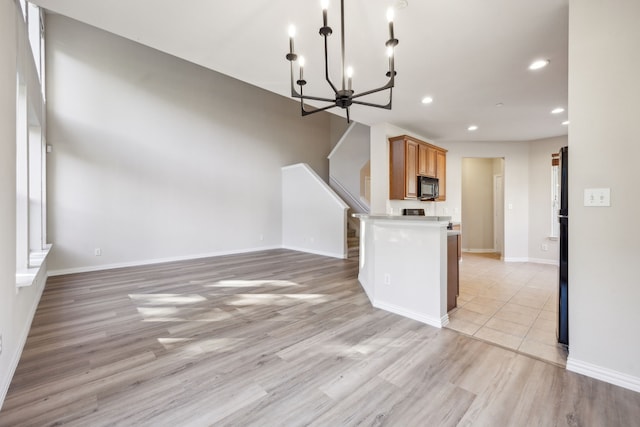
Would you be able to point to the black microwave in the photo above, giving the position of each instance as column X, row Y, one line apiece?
column 427, row 188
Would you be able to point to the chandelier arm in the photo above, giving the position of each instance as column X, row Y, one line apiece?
column 317, row 110
column 316, row 98
column 389, row 85
column 326, row 67
column 369, row 104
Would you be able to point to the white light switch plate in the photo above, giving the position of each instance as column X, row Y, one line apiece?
column 597, row 197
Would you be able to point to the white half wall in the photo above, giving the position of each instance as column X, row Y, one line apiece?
column 604, row 148
column 155, row 158
column 314, row 218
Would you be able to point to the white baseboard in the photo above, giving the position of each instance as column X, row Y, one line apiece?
column 91, row 268
column 545, row 261
column 315, row 252
column 479, row 251
column 516, row 259
column 22, row 339
column 603, row 374
column 432, row 321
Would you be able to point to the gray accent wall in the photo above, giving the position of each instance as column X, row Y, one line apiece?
column 155, row 158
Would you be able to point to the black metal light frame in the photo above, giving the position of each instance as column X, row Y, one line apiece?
column 345, row 96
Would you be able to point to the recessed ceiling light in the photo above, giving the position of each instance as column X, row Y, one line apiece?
column 557, row 110
column 499, row 104
column 540, row 63
column 566, row 122
column 472, row 128
column 401, row 4
column 427, row 100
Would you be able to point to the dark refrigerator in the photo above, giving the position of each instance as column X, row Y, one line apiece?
column 563, row 272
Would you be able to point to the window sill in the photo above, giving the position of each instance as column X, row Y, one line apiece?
column 26, row 277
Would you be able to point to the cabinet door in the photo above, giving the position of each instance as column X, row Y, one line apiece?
column 426, row 161
column 441, row 174
column 411, row 172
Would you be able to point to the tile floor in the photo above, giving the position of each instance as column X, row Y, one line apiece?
column 514, row 305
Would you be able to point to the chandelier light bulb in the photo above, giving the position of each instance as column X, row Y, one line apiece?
column 390, row 14
column 390, row 51
column 301, row 61
column 349, row 72
column 324, row 4
column 292, row 31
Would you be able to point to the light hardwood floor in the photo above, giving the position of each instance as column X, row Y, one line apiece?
column 275, row 338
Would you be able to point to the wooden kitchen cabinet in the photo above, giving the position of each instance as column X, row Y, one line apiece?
column 441, row 174
column 409, row 158
column 403, row 171
column 426, row 160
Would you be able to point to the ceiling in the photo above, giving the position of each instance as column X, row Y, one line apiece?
column 469, row 55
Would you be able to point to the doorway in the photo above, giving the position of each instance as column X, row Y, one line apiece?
column 483, row 205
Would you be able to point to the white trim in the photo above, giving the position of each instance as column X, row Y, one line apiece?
column 311, row 251
column 89, row 269
column 27, row 276
column 323, row 184
column 431, row 321
column 479, row 251
column 516, row 259
column 346, row 194
column 603, row 374
column 342, row 139
column 545, row 261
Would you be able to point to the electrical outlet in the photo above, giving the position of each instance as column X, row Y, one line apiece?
column 97, row 252
column 387, row 279
column 544, row 247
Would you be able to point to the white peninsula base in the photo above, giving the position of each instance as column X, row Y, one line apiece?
column 403, row 266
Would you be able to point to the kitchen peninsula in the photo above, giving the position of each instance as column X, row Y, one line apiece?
column 403, row 265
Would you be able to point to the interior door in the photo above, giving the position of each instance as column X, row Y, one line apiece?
column 498, row 213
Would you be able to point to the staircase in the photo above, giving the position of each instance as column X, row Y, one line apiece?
column 353, row 242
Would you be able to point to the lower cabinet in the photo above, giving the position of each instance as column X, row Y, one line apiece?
column 453, row 273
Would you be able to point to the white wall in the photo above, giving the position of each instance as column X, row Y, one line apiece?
column 155, row 158
column 540, row 199
column 314, row 218
column 16, row 307
column 604, row 148
column 346, row 160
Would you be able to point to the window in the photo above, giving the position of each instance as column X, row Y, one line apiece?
column 31, row 241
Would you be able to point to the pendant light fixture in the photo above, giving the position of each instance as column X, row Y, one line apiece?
column 344, row 95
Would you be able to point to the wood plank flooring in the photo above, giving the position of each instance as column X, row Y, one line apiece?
column 274, row 338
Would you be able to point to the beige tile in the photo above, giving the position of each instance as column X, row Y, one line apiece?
column 554, row 353
column 545, row 324
column 470, row 316
column 544, row 336
column 463, row 326
column 498, row 337
column 529, row 301
column 481, row 308
column 548, row 315
column 522, row 315
column 507, row 327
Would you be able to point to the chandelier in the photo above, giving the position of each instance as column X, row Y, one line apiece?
column 345, row 96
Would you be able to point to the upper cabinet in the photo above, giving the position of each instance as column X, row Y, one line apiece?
column 409, row 158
